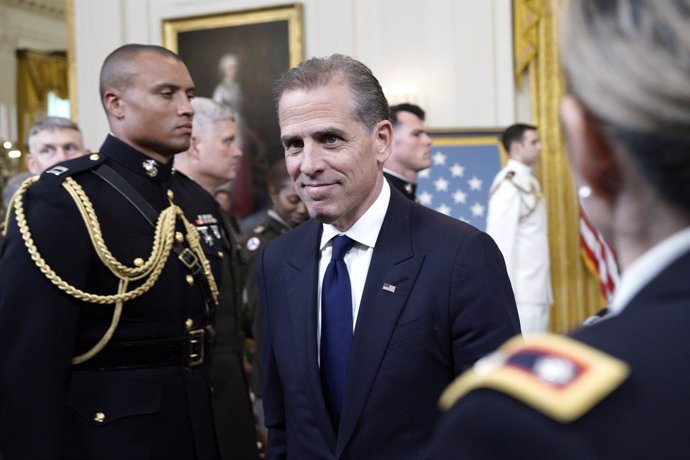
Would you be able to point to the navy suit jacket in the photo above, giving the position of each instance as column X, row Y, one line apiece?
column 452, row 304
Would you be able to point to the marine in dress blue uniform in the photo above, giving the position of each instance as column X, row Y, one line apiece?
column 108, row 289
column 148, row 396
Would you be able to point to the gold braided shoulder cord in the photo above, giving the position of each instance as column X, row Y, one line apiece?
column 152, row 267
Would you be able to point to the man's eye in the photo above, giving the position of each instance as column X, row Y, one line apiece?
column 294, row 145
column 166, row 94
column 331, row 139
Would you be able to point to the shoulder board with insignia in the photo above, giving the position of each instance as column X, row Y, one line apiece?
column 70, row 167
column 555, row 375
column 506, row 177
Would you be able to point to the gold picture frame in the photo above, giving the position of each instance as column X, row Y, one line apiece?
column 263, row 43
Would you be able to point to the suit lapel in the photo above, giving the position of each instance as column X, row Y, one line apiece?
column 301, row 276
column 394, row 266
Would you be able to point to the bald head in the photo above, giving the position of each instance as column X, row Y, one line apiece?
column 118, row 68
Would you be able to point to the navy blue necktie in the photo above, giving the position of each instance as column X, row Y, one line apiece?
column 336, row 327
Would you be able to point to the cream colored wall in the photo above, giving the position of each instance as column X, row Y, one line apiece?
column 456, row 53
column 20, row 28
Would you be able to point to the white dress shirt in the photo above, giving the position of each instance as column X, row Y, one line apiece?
column 364, row 232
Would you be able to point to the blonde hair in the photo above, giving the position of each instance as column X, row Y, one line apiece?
column 628, row 61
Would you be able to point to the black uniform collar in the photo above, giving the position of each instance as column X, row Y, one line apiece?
column 407, row 188
column 136, row 161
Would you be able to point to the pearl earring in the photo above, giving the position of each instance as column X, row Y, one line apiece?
column 584, row 192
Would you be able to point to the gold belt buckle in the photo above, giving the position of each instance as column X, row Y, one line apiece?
column 195, row 347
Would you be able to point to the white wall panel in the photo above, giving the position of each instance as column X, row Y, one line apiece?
column 453, row 57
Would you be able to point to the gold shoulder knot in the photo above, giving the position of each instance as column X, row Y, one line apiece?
column 555, row 375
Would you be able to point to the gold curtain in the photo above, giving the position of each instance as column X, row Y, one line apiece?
column 576, row 294
column 38, row 73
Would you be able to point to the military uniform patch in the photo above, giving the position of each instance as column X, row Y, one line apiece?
column 253, row 243
column 556, row 375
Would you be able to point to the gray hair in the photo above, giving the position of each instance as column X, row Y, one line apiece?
column 50, row 124
column 369, row 103
column 628, row 62
column 207, row 111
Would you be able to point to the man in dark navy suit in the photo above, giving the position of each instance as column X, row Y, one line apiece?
column 617, row 389
column 108, row 286
column 373, row 306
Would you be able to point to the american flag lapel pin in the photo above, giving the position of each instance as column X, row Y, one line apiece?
column 389, row 287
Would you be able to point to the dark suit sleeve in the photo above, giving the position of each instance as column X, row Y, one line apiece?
column 38, row 324
column 272, row 386
column 487, row 424
column 483, row 311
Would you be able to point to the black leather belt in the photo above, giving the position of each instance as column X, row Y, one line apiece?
column 189, row 351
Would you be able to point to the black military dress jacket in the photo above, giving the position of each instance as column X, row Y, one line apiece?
column 618, row 389
column 151, row 403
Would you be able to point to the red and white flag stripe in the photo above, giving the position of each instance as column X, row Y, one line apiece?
column 599, row 258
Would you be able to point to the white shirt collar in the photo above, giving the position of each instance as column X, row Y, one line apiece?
column 647, row 267
column 518, row 167
column 366, row 230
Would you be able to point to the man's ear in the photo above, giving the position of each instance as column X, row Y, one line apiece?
column 591, row 154
column 193, row 151
column 383, row 132
column 31, row 164
column 112, row 101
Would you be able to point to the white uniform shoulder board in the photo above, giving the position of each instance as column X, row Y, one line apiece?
column 555, row 375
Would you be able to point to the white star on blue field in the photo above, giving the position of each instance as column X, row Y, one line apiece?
column 457, row 183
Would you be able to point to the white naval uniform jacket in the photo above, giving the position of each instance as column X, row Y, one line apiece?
column 516, row 220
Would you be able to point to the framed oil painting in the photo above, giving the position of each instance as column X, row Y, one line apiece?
column 235, row 57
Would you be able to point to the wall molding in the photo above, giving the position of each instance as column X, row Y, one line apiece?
column 50, row 8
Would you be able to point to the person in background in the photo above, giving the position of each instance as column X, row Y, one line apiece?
column 287, row 211
column 370, row 308
column 618, row 388
column 516, row 220
column 211, row 161
column 411, row 150
column 108, row 288
column 52, row 140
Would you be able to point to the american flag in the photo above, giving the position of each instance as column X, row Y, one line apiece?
column 458, row 182
column 599, row 258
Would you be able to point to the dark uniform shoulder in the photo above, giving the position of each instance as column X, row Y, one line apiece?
column 555, row 375
column 65, row 169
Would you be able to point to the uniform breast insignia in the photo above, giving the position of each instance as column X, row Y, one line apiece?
column 555, row 375
column 207, row 225
column 253, row 243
